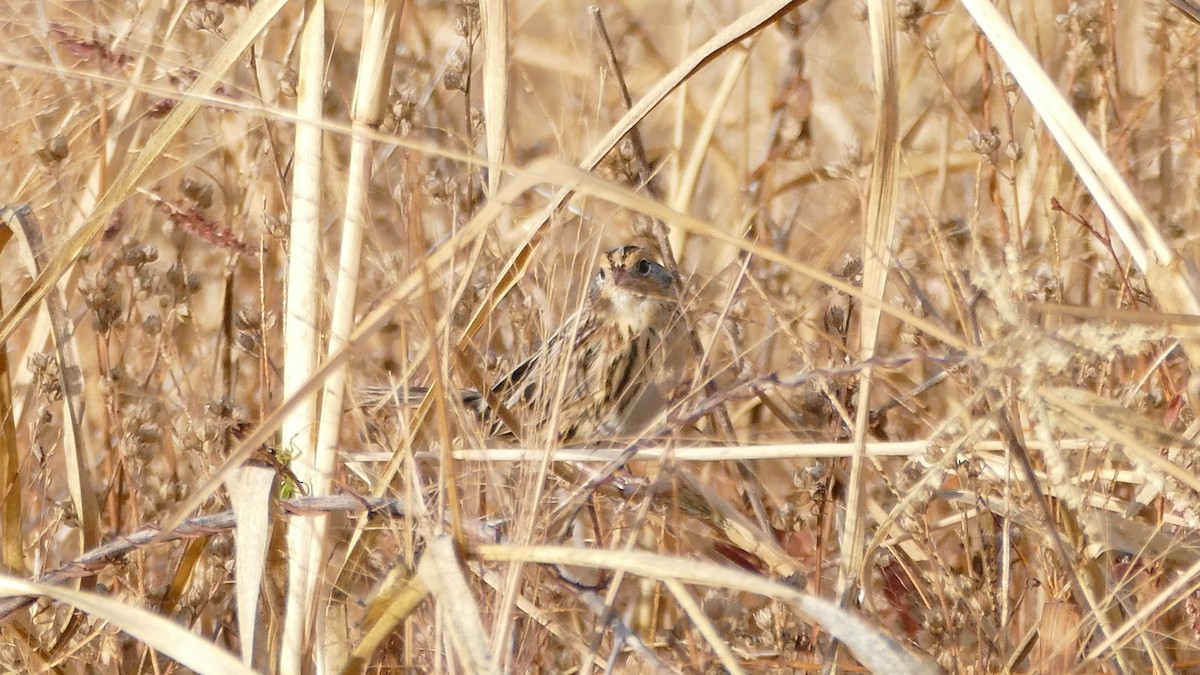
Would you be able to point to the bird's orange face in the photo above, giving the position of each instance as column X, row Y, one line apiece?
column 634, row 270
column 633, row 289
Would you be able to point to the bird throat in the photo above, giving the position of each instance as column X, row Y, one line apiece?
column 631, row 314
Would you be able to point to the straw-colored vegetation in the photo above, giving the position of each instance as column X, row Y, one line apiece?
column 222, row 217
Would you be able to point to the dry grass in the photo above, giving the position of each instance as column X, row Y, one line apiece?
column 988, row 465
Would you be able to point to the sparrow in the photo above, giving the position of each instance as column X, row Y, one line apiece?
column 586, row 378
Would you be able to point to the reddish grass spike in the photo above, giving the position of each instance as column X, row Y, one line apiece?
column 195, row 222
column 90, row 50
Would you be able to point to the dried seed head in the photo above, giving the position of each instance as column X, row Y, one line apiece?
column 984, row 142
column 198, row 191
column 54, row 151
column 205, row 18
column 289, row 80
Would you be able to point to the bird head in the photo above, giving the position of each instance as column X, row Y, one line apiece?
column 633, row 288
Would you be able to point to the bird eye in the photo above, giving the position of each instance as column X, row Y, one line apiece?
column 643, row 266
